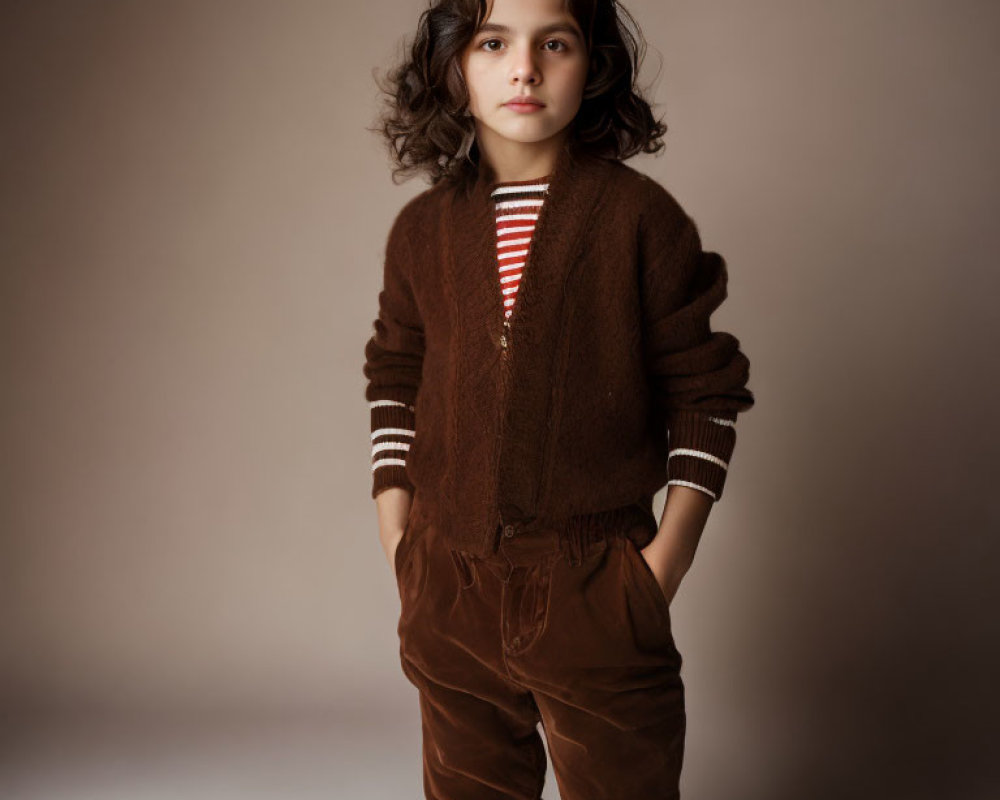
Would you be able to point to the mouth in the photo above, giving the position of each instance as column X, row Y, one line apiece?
column 525, row 101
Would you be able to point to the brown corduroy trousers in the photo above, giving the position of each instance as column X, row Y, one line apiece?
column 568, row 629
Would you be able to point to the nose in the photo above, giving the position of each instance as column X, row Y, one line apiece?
column 524, row 69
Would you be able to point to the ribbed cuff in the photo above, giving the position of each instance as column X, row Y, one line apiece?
column 700, row 447
column 389, row 476
column 393, row 426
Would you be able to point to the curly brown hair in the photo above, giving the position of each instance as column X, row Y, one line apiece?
column 427, row 129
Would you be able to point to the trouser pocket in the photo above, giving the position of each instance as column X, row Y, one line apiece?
column 648, row 606
column 646, row 579
column 403, row 547
column 410, row 559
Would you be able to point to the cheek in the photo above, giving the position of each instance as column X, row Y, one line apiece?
column 571, row 82
column 573, row 77
column 477, row 82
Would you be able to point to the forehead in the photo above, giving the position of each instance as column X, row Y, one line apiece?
column 537, row 17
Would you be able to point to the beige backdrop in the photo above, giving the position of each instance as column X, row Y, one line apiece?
column 192, row 220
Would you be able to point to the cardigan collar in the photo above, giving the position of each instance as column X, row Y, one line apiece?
column 486, row 179
column 575, row 188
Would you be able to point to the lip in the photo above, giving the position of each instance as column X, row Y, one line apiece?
column 524, row 101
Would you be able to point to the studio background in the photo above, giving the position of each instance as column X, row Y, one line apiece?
column 193, row 599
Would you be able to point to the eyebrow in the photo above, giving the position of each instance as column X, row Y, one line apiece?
column 555, row 27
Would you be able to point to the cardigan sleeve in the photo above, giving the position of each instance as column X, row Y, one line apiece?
column 393, row 365
column 697, row 376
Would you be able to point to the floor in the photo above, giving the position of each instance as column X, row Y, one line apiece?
column 302, row 757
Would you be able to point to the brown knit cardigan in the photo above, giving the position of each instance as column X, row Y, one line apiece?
column 607, row 384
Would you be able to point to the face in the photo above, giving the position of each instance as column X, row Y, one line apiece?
column 525, row 47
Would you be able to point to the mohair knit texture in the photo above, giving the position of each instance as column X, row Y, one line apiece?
column 607, row 383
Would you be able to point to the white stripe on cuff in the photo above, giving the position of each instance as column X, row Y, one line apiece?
column 679, row 482
column 374, row 403
column 386, row 431
column 390, row 446
column 687, row 451
column 388, row 462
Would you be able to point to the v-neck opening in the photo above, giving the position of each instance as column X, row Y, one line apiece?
column 507, row 320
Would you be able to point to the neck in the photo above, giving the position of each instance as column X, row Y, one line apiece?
column 483, row 180
column 506, row 160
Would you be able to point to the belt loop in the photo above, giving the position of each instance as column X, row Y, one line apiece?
column 572, row 542
column 494, row 545
column 509, row 567
column 466, row 568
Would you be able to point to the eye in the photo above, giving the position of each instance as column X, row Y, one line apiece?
column 561, row 45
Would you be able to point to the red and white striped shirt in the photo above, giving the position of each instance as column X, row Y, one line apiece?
column 517, row 205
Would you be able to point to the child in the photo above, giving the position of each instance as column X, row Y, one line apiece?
column 542, row 365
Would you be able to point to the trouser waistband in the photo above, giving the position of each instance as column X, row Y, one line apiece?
column 571, row 535
column 575, row 535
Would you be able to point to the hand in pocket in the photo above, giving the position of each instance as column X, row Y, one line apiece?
column 668, row 580
column 396, row 554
